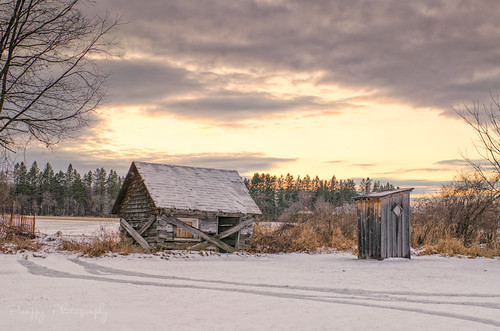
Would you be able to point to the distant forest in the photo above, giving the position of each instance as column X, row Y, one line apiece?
column 276, row 196
column 36, row 191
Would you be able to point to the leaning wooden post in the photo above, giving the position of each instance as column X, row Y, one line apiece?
column 34, row 223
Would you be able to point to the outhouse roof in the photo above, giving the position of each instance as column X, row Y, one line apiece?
column 383, row 194
column 196, row 189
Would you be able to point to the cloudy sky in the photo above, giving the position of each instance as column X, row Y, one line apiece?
column 345, row 88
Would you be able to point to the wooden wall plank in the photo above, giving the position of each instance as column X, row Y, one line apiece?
column 378, row 249
column 407, row 252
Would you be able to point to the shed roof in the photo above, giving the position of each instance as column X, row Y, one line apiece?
column 383, row 194
column 195, row 189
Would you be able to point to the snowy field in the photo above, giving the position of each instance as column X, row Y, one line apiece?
column 40, row 291
column 75, row 229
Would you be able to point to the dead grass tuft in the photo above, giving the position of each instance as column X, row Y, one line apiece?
column 434, row 231
column 15, row 238
column 455, row 247
column 104, row 243
column 326, row 227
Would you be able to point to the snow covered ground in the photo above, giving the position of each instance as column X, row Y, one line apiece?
column 187, row 291
column 75, row 229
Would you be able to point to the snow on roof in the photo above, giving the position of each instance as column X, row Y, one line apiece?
column 190, row 188
column 383, row 193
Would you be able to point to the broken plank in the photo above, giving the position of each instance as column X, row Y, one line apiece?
column 223, row 235
column 148, row 224
column 198, row 233
column 137, row 237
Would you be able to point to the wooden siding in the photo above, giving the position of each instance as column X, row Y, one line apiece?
column 381, row 233
column 138, row 207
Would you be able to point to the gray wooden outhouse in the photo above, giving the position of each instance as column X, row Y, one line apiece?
column 384, row 224
column 178, row 207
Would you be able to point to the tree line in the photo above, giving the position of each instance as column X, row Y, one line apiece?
column 278, row 195
column 36, row 191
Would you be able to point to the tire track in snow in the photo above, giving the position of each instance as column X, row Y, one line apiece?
column 38, row 270
column 97, row 269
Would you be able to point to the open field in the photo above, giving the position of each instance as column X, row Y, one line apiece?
column 75, row 227
column 188, row 291
column 79, row 218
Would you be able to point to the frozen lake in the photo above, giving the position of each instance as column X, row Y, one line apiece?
column 75, row 228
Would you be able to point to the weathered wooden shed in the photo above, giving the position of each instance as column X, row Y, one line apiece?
column 178, row 207
column 384, row 224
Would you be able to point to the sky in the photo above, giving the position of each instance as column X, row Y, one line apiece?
column 345, row 88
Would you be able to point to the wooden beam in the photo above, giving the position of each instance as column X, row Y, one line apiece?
column 222, row 235
column 148, row 224
column 196, row 232
column 137, row 237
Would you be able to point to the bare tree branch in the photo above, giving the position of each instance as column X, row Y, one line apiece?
column 485, row 121
column 49, row 80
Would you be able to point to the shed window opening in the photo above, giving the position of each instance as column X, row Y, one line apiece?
column 183, row 233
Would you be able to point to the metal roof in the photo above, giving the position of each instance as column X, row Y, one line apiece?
column 383, row 193
column 197, row 189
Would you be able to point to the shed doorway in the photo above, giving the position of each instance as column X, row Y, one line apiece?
column 226, row 223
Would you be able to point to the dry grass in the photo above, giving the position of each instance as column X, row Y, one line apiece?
column 433, row 231
column 455, row 247
column 105, row 243
column 15, row 238
column 327, row 227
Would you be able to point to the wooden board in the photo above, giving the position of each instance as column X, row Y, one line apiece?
column 137, row 237
column 223, row 235
column 199, row 233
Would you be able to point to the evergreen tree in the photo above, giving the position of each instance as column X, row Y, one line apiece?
column 60, row 193
column 21, row 189
column 100, row 192
column 88, row 181
column 5, row 196
column 33, row 185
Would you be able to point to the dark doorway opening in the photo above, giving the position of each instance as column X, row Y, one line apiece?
column 226, row 223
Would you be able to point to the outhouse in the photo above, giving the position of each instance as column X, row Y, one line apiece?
column 178, row 207
column 384, row 224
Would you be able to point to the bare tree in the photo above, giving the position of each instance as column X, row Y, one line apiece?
column 473, row 200
column 49, row 78
column 485, row 121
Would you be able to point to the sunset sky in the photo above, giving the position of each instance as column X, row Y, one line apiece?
column 345, row 88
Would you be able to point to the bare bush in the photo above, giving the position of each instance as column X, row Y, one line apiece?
column 327, row 226
column 462, row 219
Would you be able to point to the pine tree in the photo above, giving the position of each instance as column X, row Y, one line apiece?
column 5, row 196
column 100, row 192
column 33, row 184
column 88, row 180
column 47, row 187
column 21, row 189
